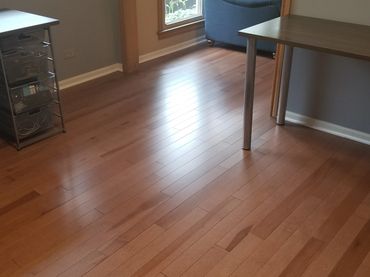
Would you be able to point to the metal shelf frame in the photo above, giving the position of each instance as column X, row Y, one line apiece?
column 57, row 112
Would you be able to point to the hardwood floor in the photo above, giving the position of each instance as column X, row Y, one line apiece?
column 150, row 179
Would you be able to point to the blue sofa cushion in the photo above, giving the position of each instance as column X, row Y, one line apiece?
column 224, row 18
column 254, row 3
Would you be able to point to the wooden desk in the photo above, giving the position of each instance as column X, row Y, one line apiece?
column 345, row 39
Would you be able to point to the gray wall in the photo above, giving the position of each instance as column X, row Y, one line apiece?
column 328, row 87
column 89, row 28
column 331, row 88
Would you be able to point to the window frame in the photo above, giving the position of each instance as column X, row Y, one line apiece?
column 187, row 25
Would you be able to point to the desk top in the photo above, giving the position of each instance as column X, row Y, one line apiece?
column 334, row 37
column 13, row 21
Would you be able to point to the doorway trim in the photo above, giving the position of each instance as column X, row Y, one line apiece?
column 129, row 35
column 285, row 10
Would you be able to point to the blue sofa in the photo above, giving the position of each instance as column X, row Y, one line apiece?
column 224, row 18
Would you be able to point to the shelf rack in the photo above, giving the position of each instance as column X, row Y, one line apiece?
column 30, row 106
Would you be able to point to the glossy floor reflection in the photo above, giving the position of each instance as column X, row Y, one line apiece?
column 150, row 180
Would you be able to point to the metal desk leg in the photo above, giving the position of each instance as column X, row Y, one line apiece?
column 284, row 86
column 249, row 92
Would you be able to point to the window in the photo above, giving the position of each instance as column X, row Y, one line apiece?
column 180, row 15
column 178, row 11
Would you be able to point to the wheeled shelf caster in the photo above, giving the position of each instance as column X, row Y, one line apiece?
column 210, row 42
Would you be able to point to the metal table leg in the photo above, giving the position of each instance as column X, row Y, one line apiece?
column 249, row 92
column 284, row 86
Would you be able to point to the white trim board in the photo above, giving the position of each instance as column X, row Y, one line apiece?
column 89, row 76
column 172, row 49
column 328, row 127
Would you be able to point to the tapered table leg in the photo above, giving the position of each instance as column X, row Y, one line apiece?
column 284, row 86
column 249, row 92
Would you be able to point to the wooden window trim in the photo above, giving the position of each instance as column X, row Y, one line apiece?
column 129, row 35
column 183, row 27
column 198, row 24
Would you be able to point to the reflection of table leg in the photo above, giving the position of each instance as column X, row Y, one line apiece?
column 249, row 92
column 284, row 86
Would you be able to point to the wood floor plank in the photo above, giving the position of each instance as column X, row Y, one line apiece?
column 215, row 236
column 150, row 179
column 364, row 268
column 84, row 203
column 331, row 255
column 306, row 225
column 264, row 208
column 124, row 253
column 91, row 236
column 238, row 238
column 287, row 232
column 284, row 255
column 207, row 262
column 330, row 172
column 354, row 255
column 304, row 258
column 233, row 259
column 204, row 244
column 344, row 211
column 8, row 267
column 164, row 257
column 45, row 241
column 158, row 249
column 24, row 199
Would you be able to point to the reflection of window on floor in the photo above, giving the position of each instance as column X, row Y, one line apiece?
column 177, row 11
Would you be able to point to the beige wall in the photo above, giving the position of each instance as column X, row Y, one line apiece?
column 353, row 11
column 147, row 11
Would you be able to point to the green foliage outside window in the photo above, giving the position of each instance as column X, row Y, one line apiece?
column 179, row 10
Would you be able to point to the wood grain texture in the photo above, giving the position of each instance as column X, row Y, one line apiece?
column 206, row 263
column 354, row 255
column 305, row 256
column 333, row 37
column 150, row 180
column 285, row 10
column 19, row 202
column 130, row 42
column 238, row 238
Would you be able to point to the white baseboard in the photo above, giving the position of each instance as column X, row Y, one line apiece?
column 89, row 76
column 172, row 49
column 328, row 127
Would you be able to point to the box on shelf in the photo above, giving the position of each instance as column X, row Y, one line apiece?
column 22, row 40
column 30, row 109
column 28, row 124
column 22, row 65
column 30, row 96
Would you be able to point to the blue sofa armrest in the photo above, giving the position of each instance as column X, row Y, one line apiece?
column 224, row 18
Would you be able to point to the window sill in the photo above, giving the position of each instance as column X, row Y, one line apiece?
column 181, row 29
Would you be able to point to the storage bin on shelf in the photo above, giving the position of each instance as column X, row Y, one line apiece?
column 21, row 39
column 25, row 64
column 32, row 95
column 30, row 108
column 29, row 123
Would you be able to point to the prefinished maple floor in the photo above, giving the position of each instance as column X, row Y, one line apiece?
column 150, row 179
